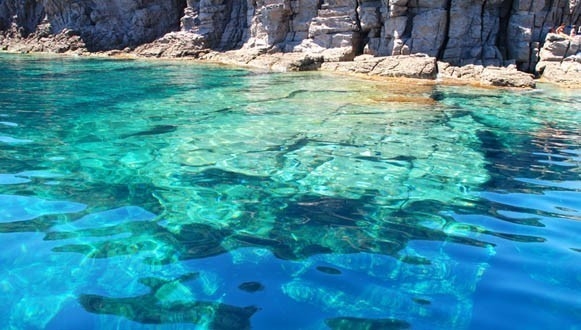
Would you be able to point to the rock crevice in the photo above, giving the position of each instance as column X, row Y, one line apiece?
column 459, row 32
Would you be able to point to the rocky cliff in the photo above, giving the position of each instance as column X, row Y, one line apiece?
column 560, row 59
column 102, row 25
column 459, row 32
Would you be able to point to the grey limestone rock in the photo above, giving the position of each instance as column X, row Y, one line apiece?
column 560, row 59
column 399, row 66
column 507, row 76
column 102, row 25
column 174, row 44
column 277, row 62
column 491, row 33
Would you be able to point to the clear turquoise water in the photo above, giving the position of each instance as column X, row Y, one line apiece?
column 160, row 195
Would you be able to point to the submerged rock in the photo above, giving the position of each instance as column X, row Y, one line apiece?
column 154, row 307
column 354, row 323
column 329, row 270
column 155, row 130
column 251, row 287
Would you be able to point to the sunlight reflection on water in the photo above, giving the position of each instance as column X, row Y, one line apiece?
column 180, row 194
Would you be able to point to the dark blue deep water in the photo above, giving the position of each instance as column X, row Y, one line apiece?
column 172, row 195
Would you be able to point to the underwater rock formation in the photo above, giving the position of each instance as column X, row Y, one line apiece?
column 340, row 323
column 458, row 32
column 158, row 307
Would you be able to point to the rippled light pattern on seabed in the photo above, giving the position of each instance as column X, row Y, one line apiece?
column 172, row 195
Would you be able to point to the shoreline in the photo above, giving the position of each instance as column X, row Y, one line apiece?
column 287, row 62
column 500, row 47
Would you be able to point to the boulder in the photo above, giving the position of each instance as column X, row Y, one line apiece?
column 260, row 59
column 566, row 73
column 401, row 66
column 175, row 44
column 487, row 76
column 560, row 60
column 506, row 77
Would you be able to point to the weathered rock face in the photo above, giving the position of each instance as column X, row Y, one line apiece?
column 398, row 66
column 459, row 32
column 104, row 24
column 23, row 15
column 560, row 59
column 507, row 76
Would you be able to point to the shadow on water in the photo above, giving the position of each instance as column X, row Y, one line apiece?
column 545, row 164
column 414, row 248
column 530, row 208
column 353, row 323
column 155, row 130
column 305, row 226
column 149, row 308
column 192, row 241
column 314, row 225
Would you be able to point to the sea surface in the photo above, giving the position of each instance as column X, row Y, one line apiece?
column 175, row 195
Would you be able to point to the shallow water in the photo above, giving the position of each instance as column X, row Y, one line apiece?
column 168, row 195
